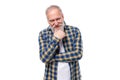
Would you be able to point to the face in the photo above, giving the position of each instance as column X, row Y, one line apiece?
column 55, row 18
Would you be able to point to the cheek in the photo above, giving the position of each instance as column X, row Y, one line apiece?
column 62, row 20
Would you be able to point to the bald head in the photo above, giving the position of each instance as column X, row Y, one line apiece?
column 53, row 7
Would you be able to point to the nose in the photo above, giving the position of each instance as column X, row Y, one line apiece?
column 56, row 23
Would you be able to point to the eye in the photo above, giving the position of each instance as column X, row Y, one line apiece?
column 51, row 20
column 58, row 19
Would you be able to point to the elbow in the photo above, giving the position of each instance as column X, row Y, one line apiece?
column 80, row 54
column 44, row 59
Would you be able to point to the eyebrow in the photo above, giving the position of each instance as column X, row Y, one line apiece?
column 55, row 19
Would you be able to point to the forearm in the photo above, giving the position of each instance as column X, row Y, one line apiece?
column 68, row 56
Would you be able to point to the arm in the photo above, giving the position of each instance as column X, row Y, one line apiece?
column 74, row 55
column 47, row 50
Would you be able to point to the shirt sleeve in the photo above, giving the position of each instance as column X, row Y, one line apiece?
column 47, row 50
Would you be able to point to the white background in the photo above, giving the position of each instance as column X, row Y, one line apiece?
column 21, row 21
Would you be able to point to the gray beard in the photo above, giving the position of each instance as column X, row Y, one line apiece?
column 61, row 27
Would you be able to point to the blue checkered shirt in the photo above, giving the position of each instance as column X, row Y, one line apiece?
column 49, row 54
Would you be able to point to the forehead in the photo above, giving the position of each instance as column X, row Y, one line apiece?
column 53, row 13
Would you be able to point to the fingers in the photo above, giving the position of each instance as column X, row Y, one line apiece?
column 53, row 26
column 59, row 34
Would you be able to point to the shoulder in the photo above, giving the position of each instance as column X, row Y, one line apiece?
column 72, row 28
column 75, row 31
column 44, row 31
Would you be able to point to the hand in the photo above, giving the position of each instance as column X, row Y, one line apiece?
column 59, row 34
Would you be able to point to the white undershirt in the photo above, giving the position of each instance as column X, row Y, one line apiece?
column 63, row 68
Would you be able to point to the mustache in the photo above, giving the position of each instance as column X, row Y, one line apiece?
column 61, row 26
column 58, row 25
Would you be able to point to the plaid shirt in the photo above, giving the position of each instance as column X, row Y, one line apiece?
column 50, row 56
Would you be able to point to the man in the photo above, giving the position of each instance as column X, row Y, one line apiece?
column 60, row 47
